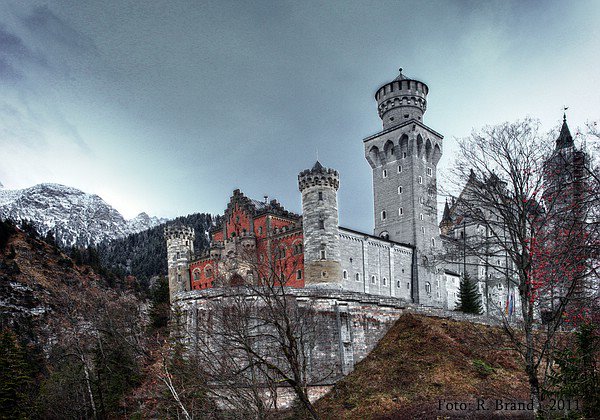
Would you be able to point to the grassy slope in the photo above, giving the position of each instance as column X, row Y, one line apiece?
column 422, row 360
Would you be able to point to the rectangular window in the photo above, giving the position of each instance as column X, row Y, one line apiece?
column 399, row 168
column 320, row 195
column 323, row 254
column 322, row 224
column 420, row 179
column 384, row 173
column 429, row 171
column 299, row 274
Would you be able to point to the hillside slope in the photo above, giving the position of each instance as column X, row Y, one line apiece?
column 423, row 362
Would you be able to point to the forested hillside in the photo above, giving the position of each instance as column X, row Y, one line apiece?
column 144, row 254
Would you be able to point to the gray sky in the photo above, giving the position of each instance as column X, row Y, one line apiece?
column 167, row 106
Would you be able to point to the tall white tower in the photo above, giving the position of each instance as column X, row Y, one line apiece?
column 319, row 187
column 180, row 250
column 404, row 159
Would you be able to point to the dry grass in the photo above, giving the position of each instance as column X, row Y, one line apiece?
column 423, row 360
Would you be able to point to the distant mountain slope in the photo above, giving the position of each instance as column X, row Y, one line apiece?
column 144, row 254
column 424, row 362
column 73, row 216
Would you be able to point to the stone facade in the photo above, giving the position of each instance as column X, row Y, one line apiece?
column 180, row 249
column 318, row 187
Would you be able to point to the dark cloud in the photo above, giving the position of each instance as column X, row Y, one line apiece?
column 43, row 22
column 15, row 55
column 8, row 72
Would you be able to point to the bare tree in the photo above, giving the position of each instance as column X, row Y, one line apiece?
column 529, row 231
column 255, row 338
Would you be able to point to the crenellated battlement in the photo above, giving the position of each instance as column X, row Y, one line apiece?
column 179, row 232
column 318, row 176
column 400, row 100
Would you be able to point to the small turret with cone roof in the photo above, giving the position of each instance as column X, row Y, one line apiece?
column 400, row 100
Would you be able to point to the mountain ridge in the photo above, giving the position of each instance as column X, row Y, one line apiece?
column 74, row 217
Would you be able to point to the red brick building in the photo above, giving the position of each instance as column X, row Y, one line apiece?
column 256, row 240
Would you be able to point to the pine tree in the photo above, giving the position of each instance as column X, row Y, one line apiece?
column 576, row 374
column 469, row 300
column 16, row 377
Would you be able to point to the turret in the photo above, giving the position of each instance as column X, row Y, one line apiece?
column 400, row 100
column 180, row 250
column 319, row 187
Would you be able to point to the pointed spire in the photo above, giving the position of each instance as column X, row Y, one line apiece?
column 318, row 166
column 446, row 216
column 564, row 138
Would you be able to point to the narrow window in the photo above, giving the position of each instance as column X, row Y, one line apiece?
column 399, row 190
column 421, row 200
column 345, row 274
column 357, row 276
column 373, row 279
column 398, row 284
column 322, row 224
column 260, row 230
column 432, row 241
column 299, row 274
column 400, row 211
column 385, row 173
column 399, row 168
column 384, row 281
column 403, row 155
column 429, row 171
column 422, row 229
column 408, row 286
column 421, row 216
column 383, row 215
column 428, row 287
column 420, row 179
column 323, row 254
column 320, row 195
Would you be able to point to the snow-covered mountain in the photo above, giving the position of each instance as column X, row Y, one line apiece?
column 75, row 217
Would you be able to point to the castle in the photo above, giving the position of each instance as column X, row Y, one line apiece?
column 401, row 259
column 353, row 284
column 397, row 260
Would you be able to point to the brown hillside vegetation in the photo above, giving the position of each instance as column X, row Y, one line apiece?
column 423, row 362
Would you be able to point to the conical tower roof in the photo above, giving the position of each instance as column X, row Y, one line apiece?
column 564, row 138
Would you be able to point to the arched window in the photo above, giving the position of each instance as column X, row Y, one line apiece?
column 399, row 190
column 428, row 287
column 385, row 235
column 400, row 211
column 196, row 274
column 345, row 274
column 208, row 272
column 373, row 279
column 357, row 276
column 384, row 281
column 421, row 216
column 384, row 174
column 383, row 215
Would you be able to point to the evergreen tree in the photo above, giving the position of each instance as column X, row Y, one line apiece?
column 159, row 306
column 469, row 300
column 577, row 375
column 16, row 377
